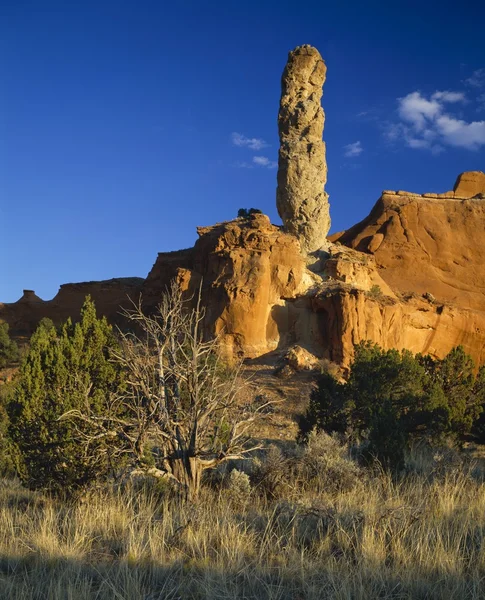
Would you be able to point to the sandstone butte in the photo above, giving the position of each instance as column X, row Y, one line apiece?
column 410, row 275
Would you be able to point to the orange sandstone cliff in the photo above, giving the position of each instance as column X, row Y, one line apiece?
column 410, row 275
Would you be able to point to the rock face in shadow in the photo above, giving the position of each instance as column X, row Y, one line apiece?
column 302, row 169
column 109, row 296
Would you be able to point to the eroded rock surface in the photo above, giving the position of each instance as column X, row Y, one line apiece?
column 470, row 184
column 248, row 268
column 410, row 275
column 110, row 297
column 426, row 245
column 302, row 169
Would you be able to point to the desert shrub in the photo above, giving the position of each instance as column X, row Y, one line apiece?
column 9, row 351
column 270, row 474
column 387, row 438
column 63, row 371
column 464, row 392
column 478, row 391
column 247, row 212
column 327, row 407
column 391, row 398
column 238, row 488
column 321, row 465
column 180, row 404
column 324, row 462
column 375, row 292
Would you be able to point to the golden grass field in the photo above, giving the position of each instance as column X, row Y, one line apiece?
column 421, row 537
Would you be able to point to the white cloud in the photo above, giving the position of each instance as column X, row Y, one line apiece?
column 417, row 143
column 449, row 96
column 457, row 132
column 477, row 79
column 353, row 149
column 415, row 109
column 238, row 139
column 264, row 161
column 426, row 123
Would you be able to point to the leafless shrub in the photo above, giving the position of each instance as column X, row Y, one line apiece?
column 179, row 407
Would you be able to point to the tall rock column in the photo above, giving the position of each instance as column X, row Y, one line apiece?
column 301, row 200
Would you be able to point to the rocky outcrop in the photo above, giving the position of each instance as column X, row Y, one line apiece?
column 470, row 184
column 410, row 275
column 247, row 269
column 426, row 245
column 29, row 296
column 110, row 297
column 388, row 284
column 302, row 169
column 348, row 316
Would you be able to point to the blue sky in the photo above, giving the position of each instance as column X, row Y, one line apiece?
column 124, row 125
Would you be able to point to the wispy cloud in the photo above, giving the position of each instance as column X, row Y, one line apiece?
column 264, row 161
column 238, row 139
column 354, row 149
column 477, row 79
column 450, row 97
column 257, row 161
column 426, row 123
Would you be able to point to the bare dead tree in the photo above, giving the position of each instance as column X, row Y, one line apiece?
column 180, row 402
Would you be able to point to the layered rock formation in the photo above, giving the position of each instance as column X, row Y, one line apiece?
column 247, row 268
column 427, row 244
column 470, row 184
column 109, row 296
column 429, row 250
column 302, row 170
column 410, row 275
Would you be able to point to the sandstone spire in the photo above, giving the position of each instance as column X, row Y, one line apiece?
column 302, row 169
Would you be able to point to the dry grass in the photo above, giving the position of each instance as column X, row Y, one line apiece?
column 422, row 537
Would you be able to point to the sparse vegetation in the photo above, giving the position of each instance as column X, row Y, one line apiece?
column 392, row 398
column 375, row 292
column 418, row 537
column 177, row 414
column 64, row 370
column 9, row 352
column 306, row 520
column 247, row 212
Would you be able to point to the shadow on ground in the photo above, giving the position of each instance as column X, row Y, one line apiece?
column 70, row 579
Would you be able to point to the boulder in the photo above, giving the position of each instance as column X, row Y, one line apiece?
column 295, row 360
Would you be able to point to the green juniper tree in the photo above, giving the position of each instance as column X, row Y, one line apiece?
column 64, row 370
column 392, row 397
column 8, row 348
